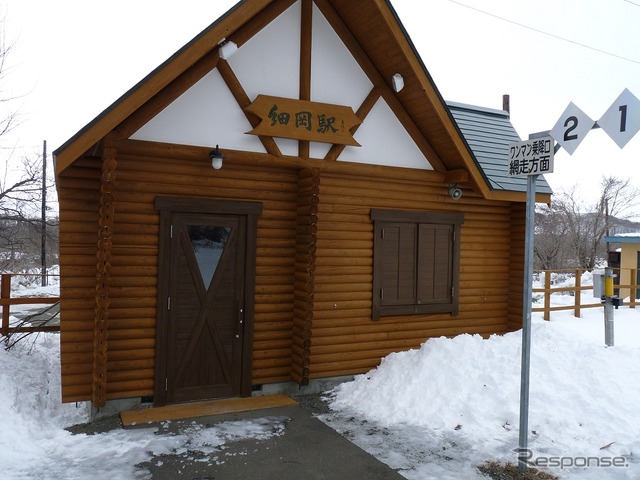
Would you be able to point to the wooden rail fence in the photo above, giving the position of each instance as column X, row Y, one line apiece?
column 6, row 301
column 626, row 290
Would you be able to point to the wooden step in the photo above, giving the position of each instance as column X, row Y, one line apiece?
column 202, row 409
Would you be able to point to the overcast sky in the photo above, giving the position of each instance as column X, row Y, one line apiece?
column 72, row 58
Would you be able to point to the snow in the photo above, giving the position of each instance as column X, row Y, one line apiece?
column 432, row 413
column 464, row 392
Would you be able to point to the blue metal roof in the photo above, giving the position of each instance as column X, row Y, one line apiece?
column 626, row 238
column 488, row 133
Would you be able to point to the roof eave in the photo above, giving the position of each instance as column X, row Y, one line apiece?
column 149, row 86
column 439, row 104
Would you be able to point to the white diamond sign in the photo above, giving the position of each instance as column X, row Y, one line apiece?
column 571, row 128
column 622, row 120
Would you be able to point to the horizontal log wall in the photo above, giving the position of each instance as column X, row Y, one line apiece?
column 345, row 340
column 516, row 272
column 133, row 288
column 78, row 194
column 314, row 264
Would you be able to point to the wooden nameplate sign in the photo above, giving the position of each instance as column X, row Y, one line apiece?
column 303, row 120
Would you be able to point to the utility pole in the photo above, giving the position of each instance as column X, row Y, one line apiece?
column 43, row 243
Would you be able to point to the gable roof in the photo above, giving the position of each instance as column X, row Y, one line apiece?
column 488, row 133
column 375, row 36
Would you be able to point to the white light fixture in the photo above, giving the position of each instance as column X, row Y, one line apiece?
column 227, row 49
column 398, row 82
column 216, row 158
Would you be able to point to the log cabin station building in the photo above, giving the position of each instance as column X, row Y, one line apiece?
column 283, row 202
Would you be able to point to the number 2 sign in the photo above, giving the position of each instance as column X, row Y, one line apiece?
column 571, row 128
column 621, row 122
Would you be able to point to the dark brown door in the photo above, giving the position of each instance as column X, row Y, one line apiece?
column 205, row 278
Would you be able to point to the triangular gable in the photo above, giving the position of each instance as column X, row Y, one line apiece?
column 198, row 115
column 368, row 30
column 269, row 64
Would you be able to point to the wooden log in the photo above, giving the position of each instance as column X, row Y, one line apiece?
column 76, row 393
column 129, row 375
column 277, row 307
column 132, row 354
column 75, row 369
column 141, row 387
column 141, row 319
column 132, row 298
column 131, row 334
column 329, row 287
column 127, row 365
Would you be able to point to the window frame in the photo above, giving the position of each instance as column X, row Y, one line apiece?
column 417, row 220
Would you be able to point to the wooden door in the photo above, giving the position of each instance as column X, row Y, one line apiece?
column 203, row 351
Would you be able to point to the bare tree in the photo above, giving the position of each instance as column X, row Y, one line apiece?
column 571, row 233
column 619, row 199
column 549, row 245
column 20, row 179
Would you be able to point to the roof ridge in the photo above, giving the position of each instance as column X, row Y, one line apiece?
column 466, row 106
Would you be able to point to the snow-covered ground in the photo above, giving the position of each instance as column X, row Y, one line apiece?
column 432, row 413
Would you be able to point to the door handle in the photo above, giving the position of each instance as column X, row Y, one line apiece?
column 240, row 321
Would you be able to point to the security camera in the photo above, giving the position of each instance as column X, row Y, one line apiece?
column 455, row 192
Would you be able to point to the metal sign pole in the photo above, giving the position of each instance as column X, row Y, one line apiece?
column 526, row 322
column 531, row 158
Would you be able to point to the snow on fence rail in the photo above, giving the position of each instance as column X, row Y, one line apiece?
column 7, row 300
column 552, row 287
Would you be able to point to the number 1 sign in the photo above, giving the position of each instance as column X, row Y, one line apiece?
column 621, row 122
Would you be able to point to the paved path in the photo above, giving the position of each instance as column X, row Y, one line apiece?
column 308, row 450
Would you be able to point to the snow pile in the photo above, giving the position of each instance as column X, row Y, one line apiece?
column 584, row 398
column 34, row 443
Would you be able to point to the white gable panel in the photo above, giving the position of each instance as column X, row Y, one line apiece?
column 291, row 147
column 318, row 149
column 287, row 146
column 336, row 77
column 269, row 62
column 205, row 115
column 384, row 142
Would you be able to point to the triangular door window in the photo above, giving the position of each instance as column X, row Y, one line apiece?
column 208, row 244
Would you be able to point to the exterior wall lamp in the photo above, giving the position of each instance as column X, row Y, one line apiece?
column 227, row 49
column 216, row 158
column 455, row 192
column 398, row 82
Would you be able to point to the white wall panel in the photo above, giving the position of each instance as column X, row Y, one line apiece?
column 385, row 142
column 205, row 115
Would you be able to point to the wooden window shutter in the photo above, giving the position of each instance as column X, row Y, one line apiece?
column 416, row 262
column 398, row 276
column 435, row 262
